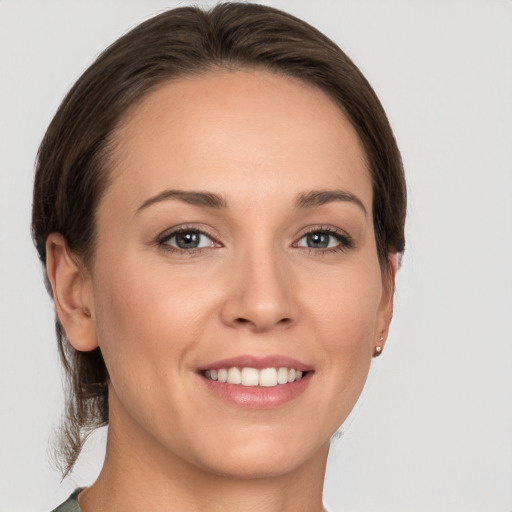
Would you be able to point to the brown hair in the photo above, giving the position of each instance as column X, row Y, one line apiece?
column 71, row 170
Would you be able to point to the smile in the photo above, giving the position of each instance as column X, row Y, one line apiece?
column 266, row 377
column 257, row 382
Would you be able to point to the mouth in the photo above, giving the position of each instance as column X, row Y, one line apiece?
column 254, row 377
column 257, row 382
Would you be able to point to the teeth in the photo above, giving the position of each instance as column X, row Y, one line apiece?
column 282, row 375
column 268, row 377
column 234, row 376
column 250, row 377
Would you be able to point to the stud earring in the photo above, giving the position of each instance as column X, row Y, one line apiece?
column 378, row 349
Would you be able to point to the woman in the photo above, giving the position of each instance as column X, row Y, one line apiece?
column 219, row 204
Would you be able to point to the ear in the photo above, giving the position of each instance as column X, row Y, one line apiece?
column 386, row 305
column 72, row 294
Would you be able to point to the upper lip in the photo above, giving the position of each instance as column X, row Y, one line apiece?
column 258, row 362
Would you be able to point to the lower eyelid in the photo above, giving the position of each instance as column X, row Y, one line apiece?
column 201, row 241
column 163, row 240
column 345, row 241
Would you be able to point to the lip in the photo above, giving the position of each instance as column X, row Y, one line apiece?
column 258, row 397
column 258, row 362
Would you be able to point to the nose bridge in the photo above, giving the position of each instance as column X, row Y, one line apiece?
column 261, row 289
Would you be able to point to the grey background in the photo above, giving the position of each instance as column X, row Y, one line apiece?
column 433, row 429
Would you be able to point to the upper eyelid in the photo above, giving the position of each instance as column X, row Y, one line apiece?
column 333, row 230
column 346, row 241
column 170, row 232
column 163, row 241
column 323, row 228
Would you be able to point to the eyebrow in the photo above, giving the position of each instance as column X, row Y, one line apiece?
column 210, row 200
column 321, row 197
column 196, row 198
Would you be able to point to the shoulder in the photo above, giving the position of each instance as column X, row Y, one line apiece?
column 71, row 504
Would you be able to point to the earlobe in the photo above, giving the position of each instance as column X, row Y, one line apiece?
column 386, row 306
column 71, row 294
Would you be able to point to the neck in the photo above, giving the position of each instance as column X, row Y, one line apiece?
column 140, row 476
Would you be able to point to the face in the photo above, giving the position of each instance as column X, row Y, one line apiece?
column 236, row 242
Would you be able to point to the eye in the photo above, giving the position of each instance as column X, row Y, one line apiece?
column 325, row 239
column 187, row 240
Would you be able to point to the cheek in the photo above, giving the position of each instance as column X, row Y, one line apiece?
column 148, row 317
column 149, row 323
column 346, row 321
column 347, row 310
column 137, row 314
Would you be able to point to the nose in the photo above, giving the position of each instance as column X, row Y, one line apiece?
column 260, row 293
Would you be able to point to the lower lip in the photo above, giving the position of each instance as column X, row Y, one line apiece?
column 258, row 397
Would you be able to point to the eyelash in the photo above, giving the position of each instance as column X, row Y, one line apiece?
column 345, row 241
column 163, row 240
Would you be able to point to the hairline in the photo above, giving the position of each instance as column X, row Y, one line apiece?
column 108, row 155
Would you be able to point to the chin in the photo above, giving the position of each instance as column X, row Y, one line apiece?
column 265, row 456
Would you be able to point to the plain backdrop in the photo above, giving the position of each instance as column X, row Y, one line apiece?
column 433, row 429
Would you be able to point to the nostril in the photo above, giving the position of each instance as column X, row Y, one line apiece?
column 262, row 325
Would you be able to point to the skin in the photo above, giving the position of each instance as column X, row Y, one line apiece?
column 258, row 141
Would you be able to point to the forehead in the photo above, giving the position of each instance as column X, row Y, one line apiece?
column 238, row 132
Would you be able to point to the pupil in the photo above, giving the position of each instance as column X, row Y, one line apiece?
column 187, row 240
column 318, row 240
